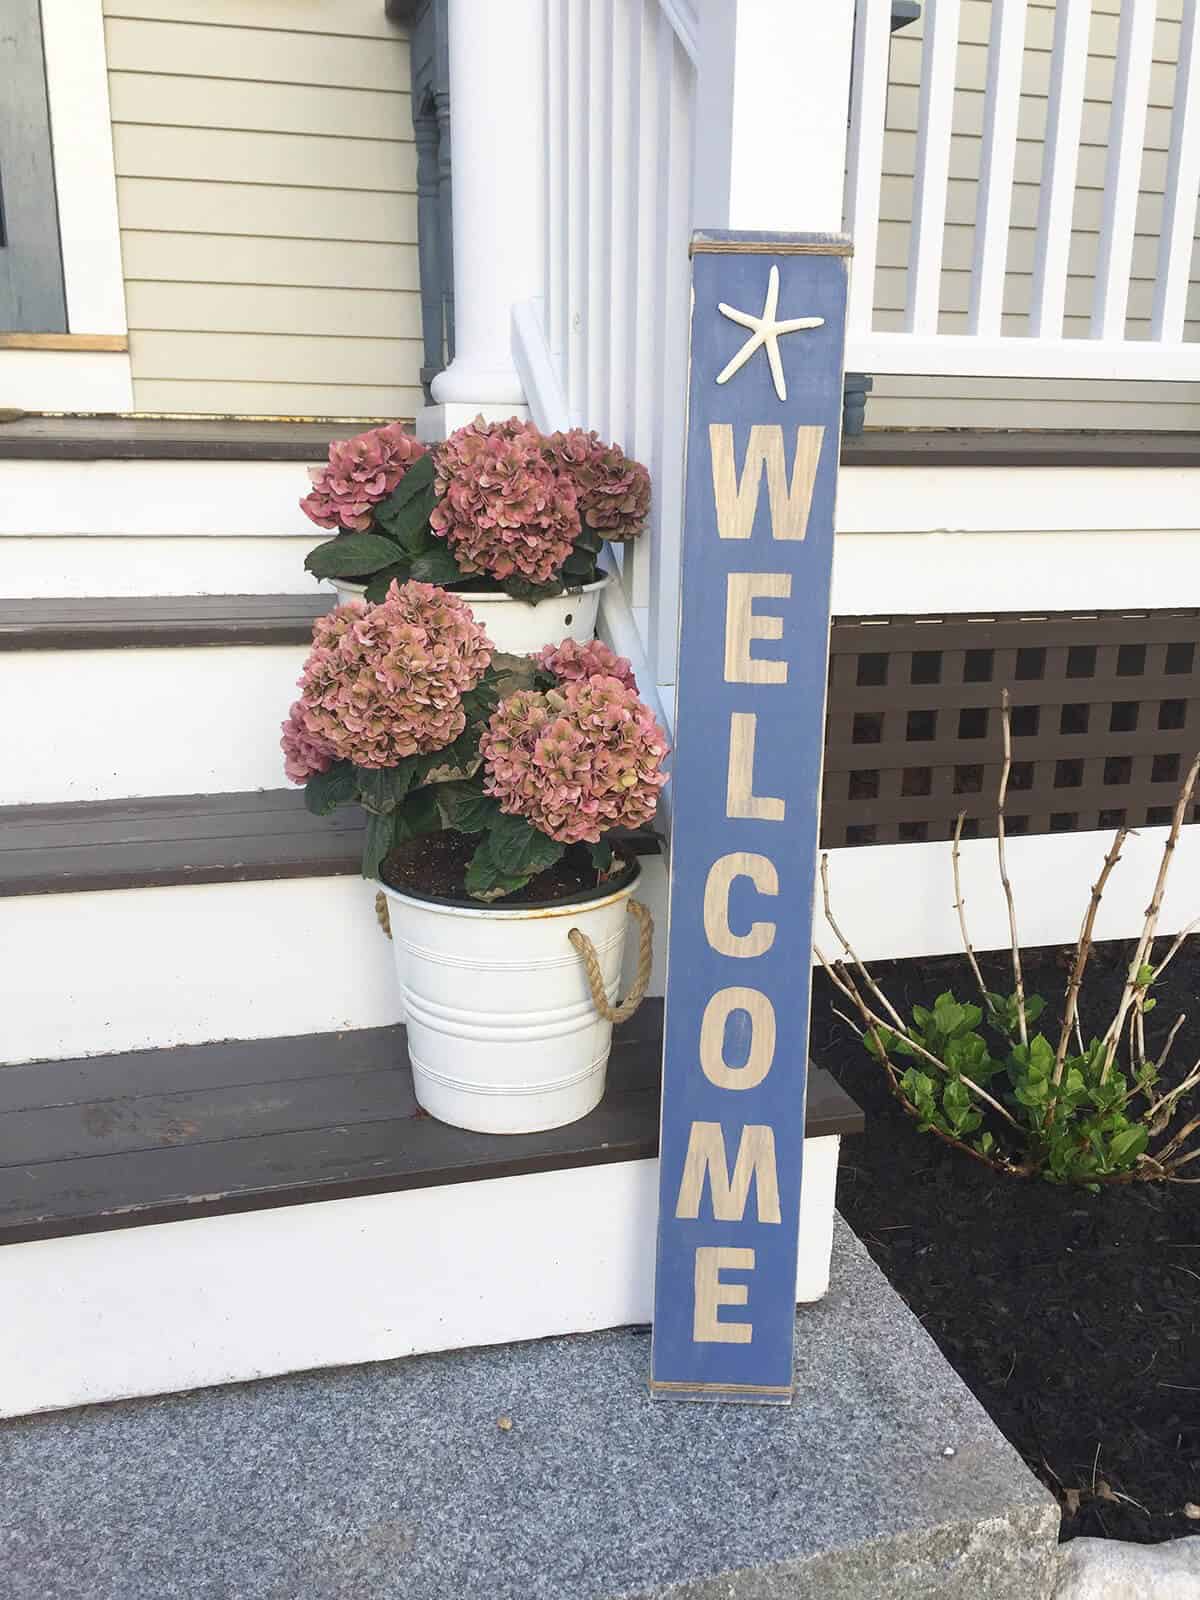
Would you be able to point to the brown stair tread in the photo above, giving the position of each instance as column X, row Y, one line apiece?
column 171, row 439
column 153, row 1136
column 232, row 439
column 158, row 621
column 82, row 846
column 77, row 847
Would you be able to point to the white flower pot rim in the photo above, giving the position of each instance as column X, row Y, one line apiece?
column 453, row 906
column 491, row 596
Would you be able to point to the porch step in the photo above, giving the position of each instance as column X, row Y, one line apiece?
column 37, row 438
column 124, row 622
column 154, row 1136
column 134, row 924
column 884, row 1478
column 193, row 838
column 145, row 703
column 177, row 1218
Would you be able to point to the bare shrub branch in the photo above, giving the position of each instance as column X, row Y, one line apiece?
column 1082, row 951
column 1018, row 980
column 960, row 907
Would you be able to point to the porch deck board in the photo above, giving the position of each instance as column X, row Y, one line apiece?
column 203, row 1130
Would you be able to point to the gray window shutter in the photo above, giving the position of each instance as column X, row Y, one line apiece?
column 31, row 276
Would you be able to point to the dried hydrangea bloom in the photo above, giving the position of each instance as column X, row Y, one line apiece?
column 304, row 753
column 502, row 507
column 359, row 474
column 385, row 682
column 613, row 492
column 570, row 661
column 575, row 762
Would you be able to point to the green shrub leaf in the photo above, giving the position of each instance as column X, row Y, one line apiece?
column 381, row 789
column 465, row 807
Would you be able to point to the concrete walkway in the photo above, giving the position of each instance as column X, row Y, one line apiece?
column 395, row 1481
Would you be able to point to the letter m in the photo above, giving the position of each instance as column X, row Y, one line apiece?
column 706, row 1159
column 737, row 499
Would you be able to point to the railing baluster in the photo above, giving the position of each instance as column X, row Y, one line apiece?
column 1006, row 51
column 598, row 158
column 864, row 166
column 556, row 207
column 625, row 78
column 656, row 573
column 645, row 264
column 1060, row 163
column 939, row 56
column 1183, row 182
column 576, row 166
column 1126, row 135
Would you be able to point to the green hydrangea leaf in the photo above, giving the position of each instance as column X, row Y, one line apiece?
column 350, row 555
column 325, row 791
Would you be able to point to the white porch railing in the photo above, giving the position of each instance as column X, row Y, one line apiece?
column 606, row 347
column 1043, row 351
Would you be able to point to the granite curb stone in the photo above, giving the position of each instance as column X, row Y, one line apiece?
column 1111, row 1569
column 394, row 1482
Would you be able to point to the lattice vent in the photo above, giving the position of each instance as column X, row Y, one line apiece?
column 1106, row 719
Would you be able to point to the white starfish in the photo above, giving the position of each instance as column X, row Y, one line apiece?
column 765, row 330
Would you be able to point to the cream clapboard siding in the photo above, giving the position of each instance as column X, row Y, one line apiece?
column 967, row 402
column 266, row 184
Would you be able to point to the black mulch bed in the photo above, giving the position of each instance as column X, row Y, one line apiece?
column 1073, row 1317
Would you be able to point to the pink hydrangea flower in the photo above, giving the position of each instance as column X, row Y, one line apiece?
column 502, row 507
column 360, row 473
column 385, row 682
column 613, row 492
column 570, row 661
column 304, row 753
column 578, row 762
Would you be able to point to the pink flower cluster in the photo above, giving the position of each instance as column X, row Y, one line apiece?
column 502, row 507
column 304, row 753
column 360, row 473
column 578, row 762
column 385, row 682
column 570, row 661
column 613, row 492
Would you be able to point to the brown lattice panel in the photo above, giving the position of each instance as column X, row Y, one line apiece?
column 1106, row 719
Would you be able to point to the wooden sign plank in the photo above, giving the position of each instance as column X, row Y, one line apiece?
column 764, row 424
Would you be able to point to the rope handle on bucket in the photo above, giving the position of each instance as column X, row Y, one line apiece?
column 587, row 951
column 591, row 963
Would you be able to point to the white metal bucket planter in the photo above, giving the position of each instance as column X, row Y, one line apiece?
column 510, row 1008
column 517, row 627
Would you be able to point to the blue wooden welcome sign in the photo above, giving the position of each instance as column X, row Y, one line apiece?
column 764, row 426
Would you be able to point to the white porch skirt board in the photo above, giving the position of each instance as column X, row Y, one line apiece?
column 185, row 1305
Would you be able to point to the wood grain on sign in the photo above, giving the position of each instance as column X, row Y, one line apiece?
column 764, row 418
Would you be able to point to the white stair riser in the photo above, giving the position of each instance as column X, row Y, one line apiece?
column 155, row 499
column 217, row 1300
column 135, row 969
column 105, row 566
column 153, row 528
column 107, row 724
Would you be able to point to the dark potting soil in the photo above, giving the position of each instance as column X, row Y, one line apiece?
column 1073, row 1317
column 436, row 864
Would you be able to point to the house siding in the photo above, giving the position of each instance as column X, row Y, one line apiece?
column 266, row 188
column 975, row 402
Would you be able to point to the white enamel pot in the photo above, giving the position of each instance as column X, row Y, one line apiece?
column 503, row 1031
column 517, row 627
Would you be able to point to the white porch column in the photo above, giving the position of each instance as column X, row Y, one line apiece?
column 497, row 92
column 773, row 98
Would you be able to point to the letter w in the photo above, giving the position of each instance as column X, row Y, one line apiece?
column 706, row 1158
column 737, row 501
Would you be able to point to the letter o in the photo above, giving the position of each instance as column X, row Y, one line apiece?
column 762, row 874
column 762, row 1038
